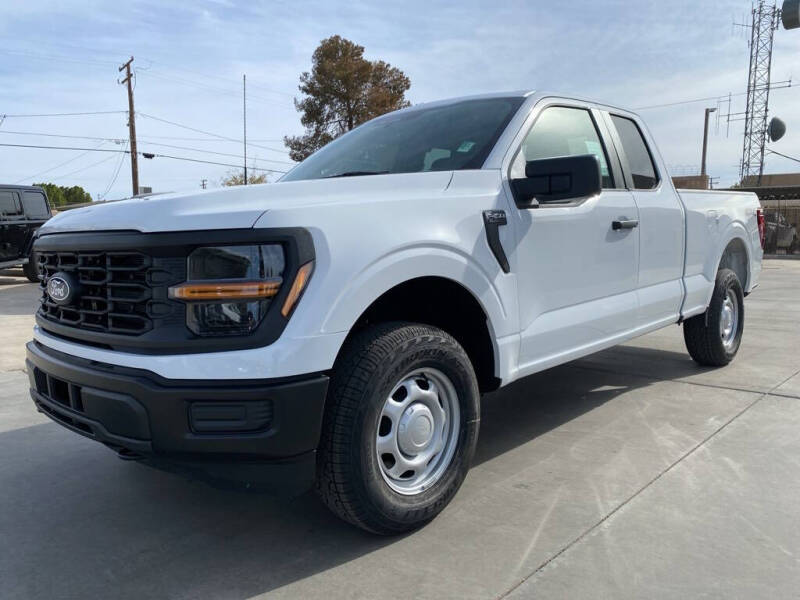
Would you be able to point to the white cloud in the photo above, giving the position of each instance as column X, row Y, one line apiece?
column 62, row 57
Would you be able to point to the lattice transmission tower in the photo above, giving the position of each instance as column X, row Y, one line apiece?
column 765, row 22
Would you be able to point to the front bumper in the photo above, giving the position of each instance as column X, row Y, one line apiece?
column 254, row 433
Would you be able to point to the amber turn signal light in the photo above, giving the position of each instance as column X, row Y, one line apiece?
column 300, row 282
column 224, row 290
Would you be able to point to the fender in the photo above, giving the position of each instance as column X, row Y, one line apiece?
column 409, row 263
column 734, row 230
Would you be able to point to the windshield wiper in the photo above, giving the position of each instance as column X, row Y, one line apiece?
column 356, row 174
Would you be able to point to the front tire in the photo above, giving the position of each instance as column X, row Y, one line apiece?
column 400, row 428
column 713, row 338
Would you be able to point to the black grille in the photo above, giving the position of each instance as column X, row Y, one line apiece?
column 116, row 291
column 117, row 288
column 60, row 392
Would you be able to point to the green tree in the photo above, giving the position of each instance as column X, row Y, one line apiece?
column 342, row 91
column 62, row 196
column 76, row 195
column 237, row 178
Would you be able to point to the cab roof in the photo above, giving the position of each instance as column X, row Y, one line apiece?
column 9, row 186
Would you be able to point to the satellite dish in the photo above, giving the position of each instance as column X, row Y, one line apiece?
column 790, row 14
column 777, row 129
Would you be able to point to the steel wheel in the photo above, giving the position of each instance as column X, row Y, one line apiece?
column 401, row 424
column 729, row 320
column 417, row 431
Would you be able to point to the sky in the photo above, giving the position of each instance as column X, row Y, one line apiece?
column 189, row 58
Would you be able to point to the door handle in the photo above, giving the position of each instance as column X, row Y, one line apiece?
column 627, row 224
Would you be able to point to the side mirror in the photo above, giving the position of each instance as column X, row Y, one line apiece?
column 558, row 180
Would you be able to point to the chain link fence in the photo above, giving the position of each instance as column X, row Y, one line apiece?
column 779, row 195
column 783, row 226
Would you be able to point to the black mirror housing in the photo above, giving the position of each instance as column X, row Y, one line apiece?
column 558, row 180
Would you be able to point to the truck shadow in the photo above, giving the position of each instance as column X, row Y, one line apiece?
column 12, row 277
column 99, row 524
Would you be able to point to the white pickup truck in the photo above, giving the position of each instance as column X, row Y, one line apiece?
column 338, row 328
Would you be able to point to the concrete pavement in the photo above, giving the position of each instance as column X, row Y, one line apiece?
column 633, row 473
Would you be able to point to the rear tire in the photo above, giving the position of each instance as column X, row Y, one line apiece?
column 400, row 428
column 713, row 338
column 31, row 269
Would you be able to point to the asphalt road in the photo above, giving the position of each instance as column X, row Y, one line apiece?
column 630, row 474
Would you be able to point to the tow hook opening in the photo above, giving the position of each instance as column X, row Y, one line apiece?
column 125, row 453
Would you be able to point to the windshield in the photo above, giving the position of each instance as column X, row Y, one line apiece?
column 440, row 138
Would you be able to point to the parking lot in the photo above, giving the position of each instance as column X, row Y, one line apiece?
column 633, row 473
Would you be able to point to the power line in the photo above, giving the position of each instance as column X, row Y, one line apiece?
column 93, row 61
column 205, row 139
column 784, row 155
column 63, row 148
column 211, row 88
column 144, row 154
column 216, row 135
column 209, row 139
column 208, row 162
column 67, row 114
column 75, row 137
column 222, row 137
column 86, row 168
column 225, row 79
column 708, row 99
column 116, row 174
column 58, row 58
column 66, row 162
column 122, row 140
column 228, row 154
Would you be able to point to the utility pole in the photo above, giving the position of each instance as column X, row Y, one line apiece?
column 244, row 112
column 705, row 142
column 131, row 126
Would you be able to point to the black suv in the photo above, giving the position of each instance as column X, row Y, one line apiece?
column 23, row 209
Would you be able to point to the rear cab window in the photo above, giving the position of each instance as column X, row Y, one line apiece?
column 640, row 160
column 34, row 205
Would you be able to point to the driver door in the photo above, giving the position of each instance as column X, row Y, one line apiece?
column 577, row 270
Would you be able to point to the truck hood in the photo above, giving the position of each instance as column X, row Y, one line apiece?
column 239, row 207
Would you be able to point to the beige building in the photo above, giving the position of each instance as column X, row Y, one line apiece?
column 691, row 182
column 775, row 180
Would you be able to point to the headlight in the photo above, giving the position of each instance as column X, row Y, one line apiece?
column 229, row 288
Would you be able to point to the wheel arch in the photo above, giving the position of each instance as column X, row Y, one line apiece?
column 731, row 250
column 444, row 303
column 456, row 275
column 735, row 255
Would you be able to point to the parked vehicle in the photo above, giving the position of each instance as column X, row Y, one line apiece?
column 340, row 326
column 780, row 234
column 23, row 209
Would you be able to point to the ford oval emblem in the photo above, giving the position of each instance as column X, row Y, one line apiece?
column 59, row 290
